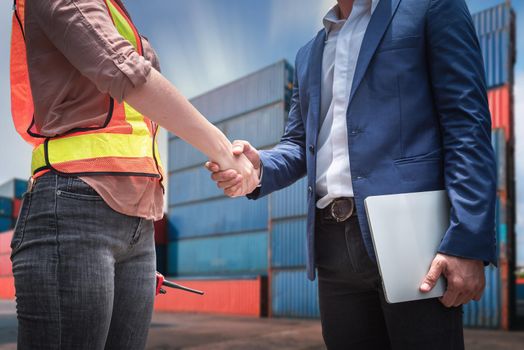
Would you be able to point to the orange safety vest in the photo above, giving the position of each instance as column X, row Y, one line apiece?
column 124, row 145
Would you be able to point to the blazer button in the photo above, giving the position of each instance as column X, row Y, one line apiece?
column 310, row 189
column 312, row 149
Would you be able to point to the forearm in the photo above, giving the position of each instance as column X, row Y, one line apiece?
column 163, row 103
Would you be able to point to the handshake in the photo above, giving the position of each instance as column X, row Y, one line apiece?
column 243, row 177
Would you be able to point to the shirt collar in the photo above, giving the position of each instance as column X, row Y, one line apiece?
column 332, row 17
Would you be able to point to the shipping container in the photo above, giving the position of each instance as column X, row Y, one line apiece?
column 485, row 313
column 6, row 206
column 7, row 288
column 246, row 126
column 293, row 295
column 5, row 242
column 242, row 297
column 288, row 243
column 161, row 231
column 6, row 223
column 495, row 30
column 500, row 108
column 190, row 185
column 14, row 188
column 5, row 265
column 498, row 141
column 232, row 255
column 221, row 216
column 161, row 258
column 262, row 88
column 17, row 204
column 290, row 201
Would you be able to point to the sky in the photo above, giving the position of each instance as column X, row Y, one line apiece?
column 203, row 44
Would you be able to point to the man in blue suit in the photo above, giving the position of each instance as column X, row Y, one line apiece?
column 389, row 97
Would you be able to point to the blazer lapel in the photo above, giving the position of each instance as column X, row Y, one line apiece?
column 377, row 27
column 315, row 76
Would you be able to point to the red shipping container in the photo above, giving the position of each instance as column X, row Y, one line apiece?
column 500, row 108
column 7, row 288
column 17, row 203
column 6, row 269
column 5, row 242
column 247, row 297
column 161, row 231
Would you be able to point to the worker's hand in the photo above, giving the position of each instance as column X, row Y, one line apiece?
column 465, row 279
column 230, row 181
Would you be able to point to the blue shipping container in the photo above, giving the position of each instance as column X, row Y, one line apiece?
column 498, row 141
column 14, row 188
column 290, row 201
column 6, row 206
column 486, row 312
column 293, row 295
column 288, row 243
column 494, row 28
column 239, row 254
column 220, row 216
column 6, row 223
column 190, row 185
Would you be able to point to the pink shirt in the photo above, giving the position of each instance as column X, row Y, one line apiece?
column 76, row 58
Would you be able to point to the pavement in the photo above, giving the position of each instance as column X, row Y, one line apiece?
column 211, row 332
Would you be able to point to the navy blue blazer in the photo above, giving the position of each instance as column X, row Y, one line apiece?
column 417, row 120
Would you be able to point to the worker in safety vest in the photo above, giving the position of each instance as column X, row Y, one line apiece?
column 83, row 81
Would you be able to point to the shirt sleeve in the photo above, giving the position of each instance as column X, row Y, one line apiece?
column 150, row 53
column 83, row 31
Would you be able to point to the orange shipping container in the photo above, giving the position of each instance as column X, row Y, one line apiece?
column 5, row 265
column 5, row 242
column 500, row 108
column 7, row 288
column 245, row 297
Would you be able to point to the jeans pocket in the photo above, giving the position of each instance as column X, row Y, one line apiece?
column 18, row 234
column 78, row 190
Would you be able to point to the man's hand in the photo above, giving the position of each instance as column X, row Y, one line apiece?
column 465, row 277
column 229, row 180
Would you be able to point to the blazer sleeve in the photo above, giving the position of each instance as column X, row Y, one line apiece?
column 458, row 83
column 286, row 162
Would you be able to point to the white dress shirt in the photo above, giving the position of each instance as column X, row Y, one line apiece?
column 341, row 50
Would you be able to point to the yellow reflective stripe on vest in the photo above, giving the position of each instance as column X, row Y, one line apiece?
column 121, row 24
column 82, row 147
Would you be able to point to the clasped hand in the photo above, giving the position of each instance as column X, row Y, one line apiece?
column 235, row 181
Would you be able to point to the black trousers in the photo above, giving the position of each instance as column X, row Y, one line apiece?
column 353, row 310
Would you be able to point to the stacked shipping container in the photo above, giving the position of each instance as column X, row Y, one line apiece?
column 496, row 32
column 208, row 233
column 11, row 194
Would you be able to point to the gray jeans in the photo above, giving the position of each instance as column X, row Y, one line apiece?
column 84, row 274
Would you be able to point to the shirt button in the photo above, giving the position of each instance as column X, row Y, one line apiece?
column 121, row 59
column 312, row 149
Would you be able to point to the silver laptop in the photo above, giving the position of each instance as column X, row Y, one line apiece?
column 407, row 230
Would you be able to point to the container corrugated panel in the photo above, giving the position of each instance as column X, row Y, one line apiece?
column 243, row 297
column 6, row 223
column 193, row 184
column 239, row 254
column 290, row 201
column 288, row 243
column 244, row 95
column 494, row 27
column 293, row 295
column 486, row 312
column 14, row 188
column 500, row 108
column 498, row 141
column 5, row 242
column 6, row 206
column 5, row 265
column 262, row 127
column 7, row 288
column 221, row 216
